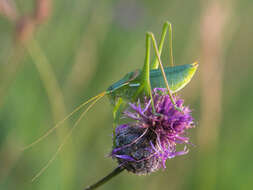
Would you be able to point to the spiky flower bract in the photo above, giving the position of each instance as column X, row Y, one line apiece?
column 144, row 145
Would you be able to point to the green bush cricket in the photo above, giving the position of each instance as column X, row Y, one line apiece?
column 135, row 85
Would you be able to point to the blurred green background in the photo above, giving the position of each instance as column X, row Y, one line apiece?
column 56, row 54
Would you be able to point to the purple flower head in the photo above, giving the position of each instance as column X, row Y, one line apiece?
column 144, row 145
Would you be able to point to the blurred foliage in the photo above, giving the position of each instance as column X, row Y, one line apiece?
column 90, row 44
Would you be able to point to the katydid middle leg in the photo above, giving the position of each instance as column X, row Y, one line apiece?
column 145, row 86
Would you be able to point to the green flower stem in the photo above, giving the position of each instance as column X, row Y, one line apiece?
column 102, row 181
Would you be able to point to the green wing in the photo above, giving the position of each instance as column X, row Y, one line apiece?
column 178, row 76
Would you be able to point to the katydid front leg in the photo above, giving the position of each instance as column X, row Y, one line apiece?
column 116, row 115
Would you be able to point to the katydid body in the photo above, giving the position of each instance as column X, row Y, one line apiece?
column 177, row 77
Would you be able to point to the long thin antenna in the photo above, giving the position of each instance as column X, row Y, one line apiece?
column 105, row 179
column 62, row 121
column 67, row 137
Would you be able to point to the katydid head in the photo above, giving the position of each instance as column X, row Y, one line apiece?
column 125, row 87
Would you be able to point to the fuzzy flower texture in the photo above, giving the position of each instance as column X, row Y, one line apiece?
column 144, row 145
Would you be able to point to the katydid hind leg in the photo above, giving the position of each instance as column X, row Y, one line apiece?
column 166, row 27
column 162, row 69
column 155, row 63
column 170, row 45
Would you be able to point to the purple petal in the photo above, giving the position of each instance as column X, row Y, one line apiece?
column 125, row 157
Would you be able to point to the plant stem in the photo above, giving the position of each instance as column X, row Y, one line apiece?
column 114, row 173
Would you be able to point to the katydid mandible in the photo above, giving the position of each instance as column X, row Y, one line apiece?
column 135, row 85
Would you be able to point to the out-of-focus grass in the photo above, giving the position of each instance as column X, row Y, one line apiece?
column 90, row 45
